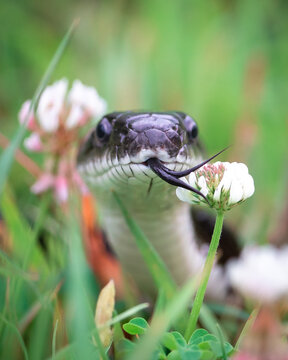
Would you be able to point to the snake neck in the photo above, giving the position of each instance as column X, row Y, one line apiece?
column 167, row 224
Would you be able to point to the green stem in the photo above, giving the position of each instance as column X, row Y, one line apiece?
column 192, row 322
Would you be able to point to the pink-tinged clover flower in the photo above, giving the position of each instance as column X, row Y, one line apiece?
column 223, row 184
column 33, row 143
column 26, row 114
column 56, row 131
column 260, row 274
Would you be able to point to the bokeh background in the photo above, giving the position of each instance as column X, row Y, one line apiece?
column 223, row 62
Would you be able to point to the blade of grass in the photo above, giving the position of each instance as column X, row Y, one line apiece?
column 20, row 231
column 18, row 335
column 80, row 321
column 54, row 340
column 162, row 321
column 16, row 271
column 6, row 158
column 24, row 246
column 249, row 323
column 155, row 264
column 124, row 315
column 221, row 338
column 209, row 321
column 228, row 310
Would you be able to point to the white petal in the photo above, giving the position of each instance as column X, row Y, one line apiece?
column 88, row 98
column 203, row 185
column 227, row 180
column 75, row 115
column 192, row 179
column 50, row 105
column 236, row 192
column 182, row 194
column 217, row 193
column 33, row 143
column 249, row 187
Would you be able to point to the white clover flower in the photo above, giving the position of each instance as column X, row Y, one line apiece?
column 224, row 185
column 56, row 130
column 261, row 273
column 51, row 105
column 86, row 98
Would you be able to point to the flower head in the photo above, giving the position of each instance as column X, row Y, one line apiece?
column 261, row 273
column 56, row 130
column 224, row 185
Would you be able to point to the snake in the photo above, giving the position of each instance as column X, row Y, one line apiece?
column 140, row 156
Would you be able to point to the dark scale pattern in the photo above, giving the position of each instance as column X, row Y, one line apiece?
column 130, row 132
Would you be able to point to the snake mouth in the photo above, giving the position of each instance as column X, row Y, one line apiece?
column 173, row 177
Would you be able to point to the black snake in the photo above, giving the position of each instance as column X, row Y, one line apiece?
column 138, row 155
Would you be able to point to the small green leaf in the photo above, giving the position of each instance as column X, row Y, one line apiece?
column 197, row 336
column 207, row 355
column 179, row 338
column 210, row 337
column 174, row 355
column 228, row 348
column 216, row 348
column 189, row 354
column 136, row 326
column 205, row 345
column 169, row 341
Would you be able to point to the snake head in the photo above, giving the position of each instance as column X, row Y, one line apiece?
column 134, row 147
column 136, row 137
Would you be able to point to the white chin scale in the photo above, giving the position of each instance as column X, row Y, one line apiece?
column 107, row 172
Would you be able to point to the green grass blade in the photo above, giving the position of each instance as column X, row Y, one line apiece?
column 248, row 325
column 54, row 340
column 155, row 264
column 221, row 339
column 209, row 321
column 125, row 314
column 6, row 158
column 18, row 335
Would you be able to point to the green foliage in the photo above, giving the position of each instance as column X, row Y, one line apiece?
column 136, row 326
column 223, row 63
column 201, row 345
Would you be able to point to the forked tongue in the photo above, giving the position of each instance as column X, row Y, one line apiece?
column 172, row 177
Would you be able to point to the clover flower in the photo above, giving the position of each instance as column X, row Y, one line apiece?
column 223, row 184
column 56, row 131
column 261, row 273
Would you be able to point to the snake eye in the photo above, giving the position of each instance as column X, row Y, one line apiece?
column 103, row 130
column 193, row 132
column 191, row 127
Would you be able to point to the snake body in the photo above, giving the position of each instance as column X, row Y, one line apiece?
column 114, row 157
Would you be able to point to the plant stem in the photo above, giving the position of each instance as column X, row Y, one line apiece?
column 192, row 322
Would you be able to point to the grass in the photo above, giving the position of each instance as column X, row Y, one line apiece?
column 225, row 64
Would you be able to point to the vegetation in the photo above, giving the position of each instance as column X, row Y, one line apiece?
column 225, row 63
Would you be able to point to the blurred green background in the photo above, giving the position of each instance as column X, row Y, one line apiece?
column 223, row 62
